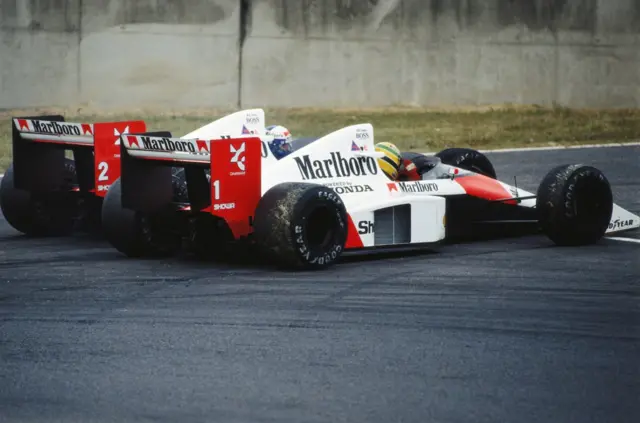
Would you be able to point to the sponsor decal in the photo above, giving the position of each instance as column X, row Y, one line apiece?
column 356, row 147
column 246, row 131
column 238, row 158
column 350, row 189
column 620, row 224
column 335, row 166
column 413, row 187
column 252, row 119
column 338, row 184
column 417, row 186
column 55, row 128
column 346, row 187
column 117, row 134
column 170, row 145
column 365, row 227
column 307, row 255
column 224, row 206
column 202, row 146
column 362, row 134
column 167, row 144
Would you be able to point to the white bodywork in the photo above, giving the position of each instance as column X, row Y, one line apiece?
column 346, row 161
column 364, row 188
column 244, row 123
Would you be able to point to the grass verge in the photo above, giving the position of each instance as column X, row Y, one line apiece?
column 416, row 129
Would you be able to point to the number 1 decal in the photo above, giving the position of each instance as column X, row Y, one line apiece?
column 216, row 189
column 103, row 167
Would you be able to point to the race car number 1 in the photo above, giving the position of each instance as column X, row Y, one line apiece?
column 216, row 189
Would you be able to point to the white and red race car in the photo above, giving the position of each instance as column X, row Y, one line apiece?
column 330, row 197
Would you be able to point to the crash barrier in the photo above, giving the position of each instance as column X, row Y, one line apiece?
column 344, row 53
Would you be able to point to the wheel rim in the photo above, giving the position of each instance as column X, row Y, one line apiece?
column 591, row 202
column 320, row 228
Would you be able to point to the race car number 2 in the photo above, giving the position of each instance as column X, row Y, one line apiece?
column 103, row 167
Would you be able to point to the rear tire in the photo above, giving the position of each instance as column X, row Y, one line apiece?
column 574, row 205
column 47, row 214
column 301, row 226
column 133, row 233
column 468, row 159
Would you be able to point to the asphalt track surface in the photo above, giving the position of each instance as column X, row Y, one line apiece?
column 505, row 331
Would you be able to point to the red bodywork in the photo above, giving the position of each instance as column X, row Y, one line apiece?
column 106, row 142
column 475, row 185
column 236, row 181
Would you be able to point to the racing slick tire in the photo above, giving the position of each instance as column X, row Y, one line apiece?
column 51, row 214
column 301, row 225
column 574, row 205
column 468, row 159
column 133, row 233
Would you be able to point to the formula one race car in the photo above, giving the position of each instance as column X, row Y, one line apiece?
column 306, row 209
column 45, row 193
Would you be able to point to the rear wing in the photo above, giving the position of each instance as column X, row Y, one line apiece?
column 232, row 192
column 39, row 144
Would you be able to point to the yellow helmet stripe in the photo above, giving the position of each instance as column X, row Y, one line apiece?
column 390, row 151
column 389, row 161
column 388, row 169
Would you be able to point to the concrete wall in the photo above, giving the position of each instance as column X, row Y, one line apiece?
column 119, row 53
column 220, row 53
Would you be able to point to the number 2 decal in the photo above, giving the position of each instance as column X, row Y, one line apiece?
column 216, row 189
column 103, row 167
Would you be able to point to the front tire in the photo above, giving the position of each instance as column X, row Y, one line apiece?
column 574, row 205
column 301, row 226
column 468, row 159
column 47, row 214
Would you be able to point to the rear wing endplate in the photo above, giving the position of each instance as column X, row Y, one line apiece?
column 231, row 191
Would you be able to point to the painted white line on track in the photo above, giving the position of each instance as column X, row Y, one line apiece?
column 569, row 147
column 615, row 238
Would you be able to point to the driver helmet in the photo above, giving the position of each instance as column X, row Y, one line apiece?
column 279, row 140
column 390, row 163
